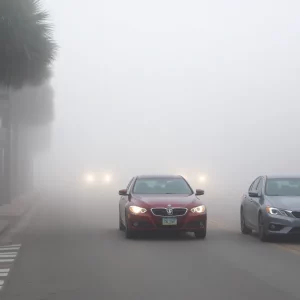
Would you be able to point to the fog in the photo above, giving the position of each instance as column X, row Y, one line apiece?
column 195, row 87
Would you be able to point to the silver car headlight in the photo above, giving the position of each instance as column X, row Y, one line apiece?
column 277, row 211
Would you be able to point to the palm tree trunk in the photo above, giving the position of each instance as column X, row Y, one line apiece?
column 15, row 160
column 5, row 184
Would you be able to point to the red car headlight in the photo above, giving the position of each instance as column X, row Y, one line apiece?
column 137, row 210
column 199, row 209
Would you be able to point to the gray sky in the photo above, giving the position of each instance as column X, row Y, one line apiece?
column 164, row 85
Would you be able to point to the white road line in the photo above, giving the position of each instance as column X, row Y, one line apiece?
column 13, row 246
column 8, row 255
column 6, row 260
column 9, row 249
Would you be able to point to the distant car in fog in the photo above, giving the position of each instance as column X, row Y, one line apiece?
column 272, row 207
column 161, row 203
column 93, row 179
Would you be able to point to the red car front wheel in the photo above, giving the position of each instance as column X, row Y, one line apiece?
column 128, row 233
column 200, row 234
column 121, row 225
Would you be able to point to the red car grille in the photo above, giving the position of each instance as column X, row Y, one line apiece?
column 178, row 211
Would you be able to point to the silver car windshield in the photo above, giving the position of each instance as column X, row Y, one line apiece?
column 283, row 187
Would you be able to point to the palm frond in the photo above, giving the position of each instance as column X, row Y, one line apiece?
column 27, row 47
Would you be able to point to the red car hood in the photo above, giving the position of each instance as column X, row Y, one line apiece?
column 165, row 200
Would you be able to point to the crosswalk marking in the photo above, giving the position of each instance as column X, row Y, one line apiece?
column 10, row 249
column 8, row 254
column 11, row 246
column 6, row 260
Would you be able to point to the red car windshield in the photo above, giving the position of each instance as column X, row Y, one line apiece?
column 162, row 186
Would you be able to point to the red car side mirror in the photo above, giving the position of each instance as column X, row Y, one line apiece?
column 123, row 192
column 199, row 192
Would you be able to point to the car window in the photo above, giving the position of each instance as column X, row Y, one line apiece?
column 283, row 187
column 132, row 184
column 128, row 185
column 259, row 185
column 161, row 186
column 254, row 185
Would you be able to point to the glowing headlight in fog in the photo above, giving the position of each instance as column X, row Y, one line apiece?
column 199, row 209
column 107, row 178
column 137, row 210
column 89, row 178
column 202, row 178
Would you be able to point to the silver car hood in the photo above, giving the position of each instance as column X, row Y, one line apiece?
column 284, row 202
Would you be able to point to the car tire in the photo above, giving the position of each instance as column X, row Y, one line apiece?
column 261, row 229
column 200, row 235
column 128, row 233
column 121, row 225
column 244, row 228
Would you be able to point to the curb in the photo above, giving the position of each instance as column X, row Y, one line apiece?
column 4, row 227
column 11, row 221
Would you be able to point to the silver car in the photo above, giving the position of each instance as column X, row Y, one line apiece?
column 272, row 207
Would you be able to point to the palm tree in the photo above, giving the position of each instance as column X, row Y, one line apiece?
column 32, row 112
column 33, row 105
column 27, row 51
column 27, row 48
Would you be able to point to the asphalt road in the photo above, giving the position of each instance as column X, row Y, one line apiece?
column 71, row 249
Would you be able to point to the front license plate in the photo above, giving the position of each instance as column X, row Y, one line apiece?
column 169, row 221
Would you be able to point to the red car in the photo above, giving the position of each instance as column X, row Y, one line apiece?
column 157, row 203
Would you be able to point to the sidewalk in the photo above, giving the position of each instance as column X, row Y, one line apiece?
column 11, row 213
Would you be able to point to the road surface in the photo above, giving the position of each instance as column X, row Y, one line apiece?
column 69, row 248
